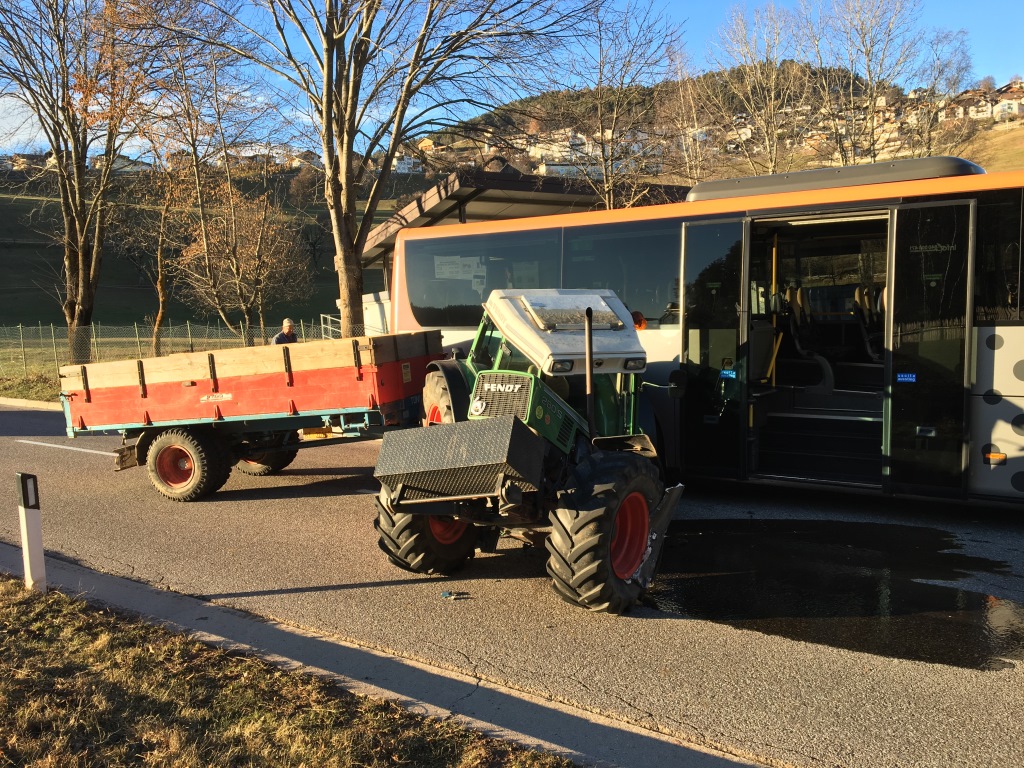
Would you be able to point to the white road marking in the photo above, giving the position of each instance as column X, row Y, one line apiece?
column 66, row 447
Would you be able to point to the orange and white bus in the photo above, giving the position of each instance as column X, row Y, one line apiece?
column 854, row 326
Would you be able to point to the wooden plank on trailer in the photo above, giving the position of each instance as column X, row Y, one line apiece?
column 190, row 368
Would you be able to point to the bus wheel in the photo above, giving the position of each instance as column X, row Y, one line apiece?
column 424, row 543
column 437, row 400
column 600, row 530
column 182, row 464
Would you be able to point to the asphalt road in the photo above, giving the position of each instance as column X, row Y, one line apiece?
column 789, row 627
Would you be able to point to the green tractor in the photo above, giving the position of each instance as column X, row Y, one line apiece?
column 535, row 434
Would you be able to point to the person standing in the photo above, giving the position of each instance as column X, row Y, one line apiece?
column 287, row 334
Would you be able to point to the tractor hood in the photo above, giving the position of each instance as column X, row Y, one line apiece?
column 547, row 326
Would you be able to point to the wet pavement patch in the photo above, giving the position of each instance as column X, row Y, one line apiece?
column 857, row 586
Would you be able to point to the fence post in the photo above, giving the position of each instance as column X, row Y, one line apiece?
column 138, row 341
column 94, row 329
column 188, row 328
column 302, row 328
column 24, row 360
column 56, row 360
column 31, row 532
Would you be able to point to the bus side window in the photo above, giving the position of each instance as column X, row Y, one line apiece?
column 998, row 257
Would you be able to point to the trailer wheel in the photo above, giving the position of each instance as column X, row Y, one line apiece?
column 437, row 400
column 600, row 531
column 183, row 464
column 265, row 463
column 223, row 461
column 424, row 543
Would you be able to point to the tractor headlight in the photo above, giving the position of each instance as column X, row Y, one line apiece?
column 561, row 366
column 636, row 363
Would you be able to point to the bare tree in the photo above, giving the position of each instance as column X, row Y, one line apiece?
column 760, row 88
column 374, row 74
column 943, row 72
column 151, row 230
column 863, row 51
column 84, row 72
column 986, row 84
column 609, row 100
column 694, row 128
column 243, row 259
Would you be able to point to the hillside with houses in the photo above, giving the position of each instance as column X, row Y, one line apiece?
column 901, row 125
column 899, row 121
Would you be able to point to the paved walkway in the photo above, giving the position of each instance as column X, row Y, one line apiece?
column 500, row 712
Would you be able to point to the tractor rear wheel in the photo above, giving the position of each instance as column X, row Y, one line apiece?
column 424, row 543
column 183, row 464
column 600, row 531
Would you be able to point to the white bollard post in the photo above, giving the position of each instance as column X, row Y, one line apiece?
column 31, row 532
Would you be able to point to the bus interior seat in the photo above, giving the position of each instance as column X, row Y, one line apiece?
column 801, row 340
column 760, row 346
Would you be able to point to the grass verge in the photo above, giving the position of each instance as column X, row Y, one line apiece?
column 38, row 386
column 83, row 686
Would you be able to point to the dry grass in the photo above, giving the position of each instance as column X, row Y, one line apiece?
column 1000, row 148
column 37, row 386
column 82, row 686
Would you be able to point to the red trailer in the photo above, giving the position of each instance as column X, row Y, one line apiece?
column 197, row 415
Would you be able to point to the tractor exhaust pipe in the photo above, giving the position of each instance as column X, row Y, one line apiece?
column 588, row 335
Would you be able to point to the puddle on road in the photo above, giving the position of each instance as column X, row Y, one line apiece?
column 848, row 585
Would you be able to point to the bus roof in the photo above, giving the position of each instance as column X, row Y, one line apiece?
column 862, row 188
column 830, row 178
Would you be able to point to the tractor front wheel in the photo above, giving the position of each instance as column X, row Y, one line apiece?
column 600, row 531
column 424, row 543
column 183, row 464
column 437, row 400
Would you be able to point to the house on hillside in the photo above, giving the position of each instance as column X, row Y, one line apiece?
column 29, row 162
column 564, row 170
column 407, row 164
column 1009, row 101
column 121, row 164
column 302, row 159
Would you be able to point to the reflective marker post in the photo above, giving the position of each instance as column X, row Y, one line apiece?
column 31, row 532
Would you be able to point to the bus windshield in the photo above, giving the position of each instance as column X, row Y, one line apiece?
column 448, row 278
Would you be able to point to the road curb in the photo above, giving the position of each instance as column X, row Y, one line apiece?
column 39, row 405
column 498, row 712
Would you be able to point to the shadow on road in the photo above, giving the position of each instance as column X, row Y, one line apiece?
column 883, row 589
column 22, row 422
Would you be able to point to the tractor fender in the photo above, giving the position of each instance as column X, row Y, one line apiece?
column 654, row 416
column 457, row 379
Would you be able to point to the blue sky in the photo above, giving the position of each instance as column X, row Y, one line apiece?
column 994, row 29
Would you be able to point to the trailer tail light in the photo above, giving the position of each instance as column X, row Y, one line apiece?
column 995, row 459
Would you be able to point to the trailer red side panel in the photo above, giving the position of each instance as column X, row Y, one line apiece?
column 367, row 372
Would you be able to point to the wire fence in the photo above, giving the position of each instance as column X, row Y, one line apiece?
column 27, row 350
